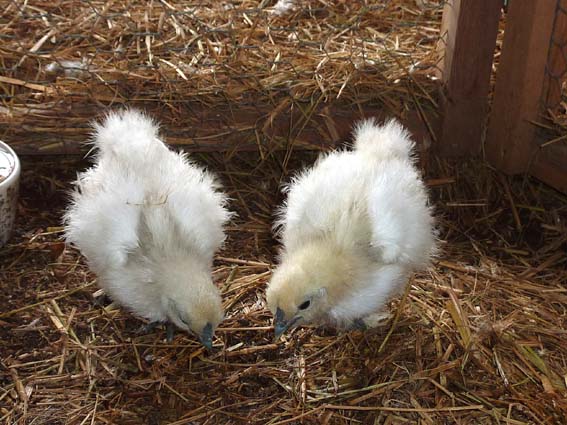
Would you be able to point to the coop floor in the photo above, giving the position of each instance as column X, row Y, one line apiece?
column 480, row 338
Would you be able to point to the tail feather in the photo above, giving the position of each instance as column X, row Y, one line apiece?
column 389, row 139
column 129, row 135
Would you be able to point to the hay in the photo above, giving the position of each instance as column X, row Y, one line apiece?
column 220, row 75
column 480, row 338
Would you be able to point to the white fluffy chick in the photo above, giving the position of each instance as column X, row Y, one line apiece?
column 149, row 221
column 353, row 229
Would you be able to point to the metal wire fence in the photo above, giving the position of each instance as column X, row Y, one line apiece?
column 554, row 93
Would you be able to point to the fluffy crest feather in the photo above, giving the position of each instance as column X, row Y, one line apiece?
column 389, row 139
column 128, row 134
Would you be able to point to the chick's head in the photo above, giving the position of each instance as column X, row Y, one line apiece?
column 307, row 284
column 193, row 303
column 295, row 297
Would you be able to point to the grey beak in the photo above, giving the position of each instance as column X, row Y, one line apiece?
column 206, row 336
column 281, row 325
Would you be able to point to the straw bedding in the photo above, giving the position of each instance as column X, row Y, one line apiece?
column 479, row 338
column 220, row 75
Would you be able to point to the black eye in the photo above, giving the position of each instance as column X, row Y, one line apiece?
column 305, row 305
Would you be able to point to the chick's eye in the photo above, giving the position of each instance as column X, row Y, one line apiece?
column 305, row 305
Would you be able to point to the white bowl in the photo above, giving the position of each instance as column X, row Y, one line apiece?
column 9, row 185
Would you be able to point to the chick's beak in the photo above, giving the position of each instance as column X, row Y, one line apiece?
column 206, row 336
column 280, row 324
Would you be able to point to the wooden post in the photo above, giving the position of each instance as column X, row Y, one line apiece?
column 468, row 40
column 511, row 135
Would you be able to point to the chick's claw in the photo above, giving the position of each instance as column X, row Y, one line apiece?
column 101, row 300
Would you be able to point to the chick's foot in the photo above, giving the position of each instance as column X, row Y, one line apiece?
column 101, row 300
column 147, row 328
column 358, row 325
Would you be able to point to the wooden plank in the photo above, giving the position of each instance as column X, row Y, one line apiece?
column 550, row 166
column 519, row 81
column 468, row 40
column 219, row 128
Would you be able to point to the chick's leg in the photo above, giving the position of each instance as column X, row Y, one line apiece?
column 169, row 331
column 151, row 327
column 358, row 325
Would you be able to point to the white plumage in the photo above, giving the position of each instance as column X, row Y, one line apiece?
column 148, row 222
column 283, row 7
column 353, row 229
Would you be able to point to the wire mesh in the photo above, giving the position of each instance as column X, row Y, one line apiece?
column 554, row 94
column 207, row 69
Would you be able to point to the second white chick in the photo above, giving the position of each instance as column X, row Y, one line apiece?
column 149, row 221
column 353, row 229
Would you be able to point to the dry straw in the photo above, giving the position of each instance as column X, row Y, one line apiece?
column 480, row 338
column 218, row 74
